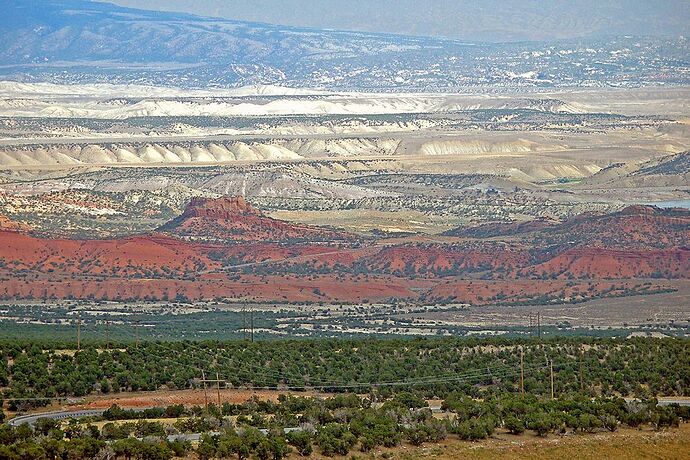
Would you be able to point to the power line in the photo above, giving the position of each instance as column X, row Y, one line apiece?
column 469, row 377
column 522, row 373
column 503, row 371
column 78, row 330
column 332, row 385
column 249, row 368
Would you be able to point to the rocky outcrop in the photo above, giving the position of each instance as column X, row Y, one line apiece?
column 223, row 208
column 598, row 263
column 200, row 152
column 233, row 219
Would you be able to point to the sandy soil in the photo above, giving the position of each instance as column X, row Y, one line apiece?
column 186, row 397
column 624, row 444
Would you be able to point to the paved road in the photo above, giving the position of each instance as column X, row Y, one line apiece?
column 669, row 401
column 60, row 415
column 64, row 415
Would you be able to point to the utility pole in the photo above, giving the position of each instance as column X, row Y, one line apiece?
column 136, row 333
column 206, row 381
column 203, row 379
column 244, row 323
column 539, row 324
column 522, row 373
column 531, row 325
column 218, row 388
column 78, row 331
column 251, row 320
column 582, row 382
column 551, row 367
column 107, row 335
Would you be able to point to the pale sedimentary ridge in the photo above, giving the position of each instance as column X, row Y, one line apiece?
column 478, row 147
column 210, row 152
column 187, row 152
column 119, row 103
column 19, row 89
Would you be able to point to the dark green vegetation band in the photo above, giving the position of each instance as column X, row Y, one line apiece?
column 35, row 372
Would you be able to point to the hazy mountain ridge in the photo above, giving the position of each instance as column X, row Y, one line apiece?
column 79, row 30
column 77, row 41
column 519, row 20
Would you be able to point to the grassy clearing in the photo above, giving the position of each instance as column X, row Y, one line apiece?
column 624, row 444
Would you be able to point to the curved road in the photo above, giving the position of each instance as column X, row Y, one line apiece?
column 59, row 415
column 64, row 415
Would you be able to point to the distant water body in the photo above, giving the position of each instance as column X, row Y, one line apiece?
column 672, row 204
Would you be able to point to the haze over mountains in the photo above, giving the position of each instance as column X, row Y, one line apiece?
column 71, row 41
column 486, row 20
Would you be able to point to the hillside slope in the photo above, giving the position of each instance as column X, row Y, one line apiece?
column 225, row 248
column 77, row 41
column 233, row 219
column 668, row 171
column 633, row 228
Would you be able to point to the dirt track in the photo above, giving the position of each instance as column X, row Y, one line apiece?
column 186, row 397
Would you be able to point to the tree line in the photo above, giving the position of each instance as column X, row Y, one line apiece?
column 337, row 425
column 33, row 373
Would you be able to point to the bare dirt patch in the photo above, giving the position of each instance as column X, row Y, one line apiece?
column 185, row 397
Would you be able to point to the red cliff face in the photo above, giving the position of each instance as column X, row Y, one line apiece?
column 596, row 263
column 186, row 258
column 222, row 208
column 495, row 229
column 411, row 259
column 636, row 227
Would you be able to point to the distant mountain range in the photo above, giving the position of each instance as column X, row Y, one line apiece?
column 475, row 20
column 82, row 41
column 79, row 30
